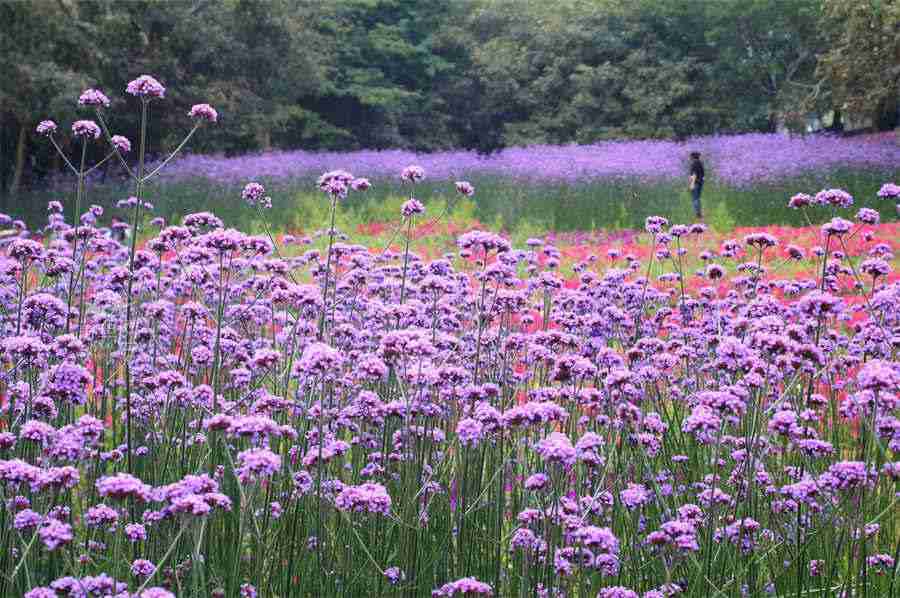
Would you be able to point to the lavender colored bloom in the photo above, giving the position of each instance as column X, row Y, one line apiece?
column 257, row 463
column 800, row 200
column 557, row 448
column 412, row 207
column 815, row 567
column 157, row 592
column 203, row 112
column 41, row 592
column 879, row 375
column 360, row 184
column 617, row 592
column 467, row 587
column 55, row 533
column 598, row 539
column 46, row 128
column 469, row 431
column 412, row 174
column 634, row 496
column 142, row 568
column 394, row 575
column 146, row 87
column 121, row 143
column 847, row 475
column 86, row 129
column 336, row 183
column 537, row 481
column 365, row 498
column 868, row 216
column 101, row 516
column 27, row 519
column 887, row 191
column 834, row 197
column 881, row 562
column 837, row 227
column 122, row 486
column 760, row 240
column 254, row 193
column 465, row 188
column 135, row 532
column 875, row 267
column 93, row 97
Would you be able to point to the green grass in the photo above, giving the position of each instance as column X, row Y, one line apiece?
column 519, row 208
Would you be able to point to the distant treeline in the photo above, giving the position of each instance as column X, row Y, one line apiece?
column 437, row 74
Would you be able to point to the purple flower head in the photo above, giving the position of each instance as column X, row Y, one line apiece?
column 86, row 129
column 467, row 587
column 800, row 200
column 365, row 498
column 634, row 496
column 887, row 191
column 557, row 448
column 360, row 184
column 122, row 486
column 837, row 227
column 41, row 592
column 536, row 481
column 834, row 197
column 655, row 224
column 465, row 188
column 93, row 97
column 142, row 568
column 412, row 207
column 257, row 463
column 598, row 539
column 46, row 128
column 875, row 267
column 761, row 240
column 816, row 567
column 879, row 375
column 412, row 174
column 617, row 592
column 394, row 575
column 121, row 143
column 135, row 532
column 715, row 271
column 469, row 431
column 203, row 113
column 146, row 86
column 157, row 592
column 868, row 216
column 55, row 533
column 254, row 193
column 336, row 183
column 847, row 475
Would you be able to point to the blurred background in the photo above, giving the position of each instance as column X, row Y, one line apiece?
column 437, row 75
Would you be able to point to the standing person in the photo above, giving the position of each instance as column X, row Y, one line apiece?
column 696, row 186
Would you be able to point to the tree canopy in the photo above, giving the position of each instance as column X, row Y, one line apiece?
column 447, row 73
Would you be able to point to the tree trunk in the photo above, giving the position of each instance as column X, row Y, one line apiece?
column 19, row 170
column 264, row 139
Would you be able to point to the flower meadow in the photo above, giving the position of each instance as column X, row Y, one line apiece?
column 190, row 410
column 737, row 160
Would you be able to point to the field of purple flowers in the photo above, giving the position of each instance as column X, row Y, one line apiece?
column 737, row 160
column 190, row 410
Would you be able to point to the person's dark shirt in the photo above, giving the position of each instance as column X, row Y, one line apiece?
column 697, row 170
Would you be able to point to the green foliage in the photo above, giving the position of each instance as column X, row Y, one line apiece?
column 860, row 71
column 445, row 73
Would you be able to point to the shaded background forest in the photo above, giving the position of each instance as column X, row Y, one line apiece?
column 437, row 74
